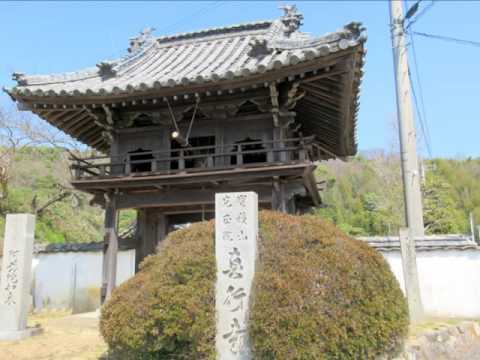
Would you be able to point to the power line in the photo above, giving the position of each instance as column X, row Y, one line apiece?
column 420, row 14
column 422, row 116
column 210, row 6
column 447, row 38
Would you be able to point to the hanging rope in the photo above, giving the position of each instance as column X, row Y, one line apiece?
column 174, row 121
column 191, row 121
column 175, row 124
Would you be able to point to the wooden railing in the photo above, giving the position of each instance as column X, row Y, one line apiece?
column 198, row 158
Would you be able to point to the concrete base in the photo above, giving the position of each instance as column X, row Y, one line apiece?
column 20, row 335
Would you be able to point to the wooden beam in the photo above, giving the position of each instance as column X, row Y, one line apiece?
column 279, row 196
column 64, row 120
column 319, row 122
column 73, row 123
column 97, row 142
column 167, row 198
column 311, row 186
column 89, row 130
column 51, row 117
column 334, row 114
column 321, row 94
column 193, row 178
column 110, row 248
column 79, row 127
column 152, row 228
column 330, row 89
column 325, row 74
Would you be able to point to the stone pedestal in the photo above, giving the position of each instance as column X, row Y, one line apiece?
column 16, row 277
column 236, row 231
column 20, row 334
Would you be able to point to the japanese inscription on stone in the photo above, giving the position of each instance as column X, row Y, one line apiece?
column 236, row 229
column 16, row 272
column 11, row 277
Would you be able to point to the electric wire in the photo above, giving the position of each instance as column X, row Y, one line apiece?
column 419, row 116
column 210, row 7
column 420, row 14
column 422, row 115
column 448, row 38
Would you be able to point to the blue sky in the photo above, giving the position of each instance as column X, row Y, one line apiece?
column 44, row 37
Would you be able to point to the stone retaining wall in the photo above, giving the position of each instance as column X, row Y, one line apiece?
column 454, row 342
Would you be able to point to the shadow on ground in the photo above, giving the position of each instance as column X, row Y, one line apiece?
column 65, row 336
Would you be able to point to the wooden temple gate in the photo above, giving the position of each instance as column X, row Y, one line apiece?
column 249, row 107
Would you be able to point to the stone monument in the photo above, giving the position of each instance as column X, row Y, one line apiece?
column 16, row 277
column 236, row 231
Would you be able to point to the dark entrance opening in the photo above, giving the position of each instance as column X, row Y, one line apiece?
column 250, row 157
column 196, row 158
column 142, row 120
column 141, row 160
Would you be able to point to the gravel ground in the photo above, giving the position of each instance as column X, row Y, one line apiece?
column 76, row 337
column 72, row 337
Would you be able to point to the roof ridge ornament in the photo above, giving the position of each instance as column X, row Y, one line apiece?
column 291, row 19
column 259, row 47
column 354, row 30
column 145, row 36
column 281, row 30
column 19, row 78
column 105, row 69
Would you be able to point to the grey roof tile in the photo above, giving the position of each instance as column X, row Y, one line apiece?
column 381, row 243
column 191, row 58
column 427, row 243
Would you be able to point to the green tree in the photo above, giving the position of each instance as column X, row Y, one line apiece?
column 440, row 214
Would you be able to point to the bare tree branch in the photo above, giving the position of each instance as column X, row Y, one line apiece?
column 58, row 197
column 19, row 131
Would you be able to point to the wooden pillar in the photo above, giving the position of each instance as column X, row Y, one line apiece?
column 152, row 228
column 181, row 160
column 110, row 248
column 279, row 137
column 291, row 208
column 279, row 201
column 141, row 237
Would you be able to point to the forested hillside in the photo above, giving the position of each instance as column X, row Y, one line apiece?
column 362, row 196
column 39, row 183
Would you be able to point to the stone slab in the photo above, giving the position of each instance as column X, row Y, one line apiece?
column 16, row 274
column 236, row 231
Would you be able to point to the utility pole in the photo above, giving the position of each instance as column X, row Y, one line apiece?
column 410, row 169
column 408, row 146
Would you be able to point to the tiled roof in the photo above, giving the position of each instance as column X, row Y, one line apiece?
column 79, row 247
column 211, row 55
column 208, row 65
column 427, row 243
column 381, row 243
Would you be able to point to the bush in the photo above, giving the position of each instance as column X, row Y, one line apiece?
column 318, row 295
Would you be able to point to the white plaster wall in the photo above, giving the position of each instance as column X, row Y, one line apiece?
column 449, row 281
column 73, row 279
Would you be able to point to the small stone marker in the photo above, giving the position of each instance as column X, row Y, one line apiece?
column 236, row 230
column 16, row 277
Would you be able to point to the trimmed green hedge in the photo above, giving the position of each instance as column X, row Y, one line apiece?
column 318, row 295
